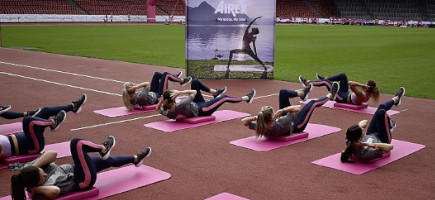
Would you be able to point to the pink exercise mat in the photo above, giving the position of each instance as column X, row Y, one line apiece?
column 172, row 125
column 369, row 110
column 226, row 196
column 263, row 144
column 401, row 149
column 127, row 178
column 62, row 150
column 124, row 179
column 6, row 129
column 122, row 111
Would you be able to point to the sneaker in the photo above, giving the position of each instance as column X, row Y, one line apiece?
column 142, row 155
column 79, row 104
column 320, row 77
column 302, row 80
column 58, row 119
column 179, row 74
column 251, row 96
column 186, row 81
column 400, row 93
column 306, row 90
column 33, row 113
column 109, row 144
column 219, row 92
column 334, row 89
column 5, row 108
column 393, row 125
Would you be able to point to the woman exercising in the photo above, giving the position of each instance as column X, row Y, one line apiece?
column 377, row 140
column 288, row 119
column 356, row 97
column 44, row 179
column 151, row 91
column 31, row 140
column 194, row 104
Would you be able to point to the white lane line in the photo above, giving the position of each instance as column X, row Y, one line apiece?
column 93, row 77
column 62, row 72
column 62, row 84
column 115, row 122
column 266, row 96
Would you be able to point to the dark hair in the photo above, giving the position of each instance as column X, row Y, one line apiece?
column 28, row 177
column 168, row 100
column 373, row 89
column 353, row 134
column 255, row 31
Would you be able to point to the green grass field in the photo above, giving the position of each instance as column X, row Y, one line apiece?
column 391, row 56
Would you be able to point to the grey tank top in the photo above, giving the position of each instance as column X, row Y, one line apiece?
column 369, row 153
column 145, row 97
column 61, row 176
column 283, row 126
column 185, row 107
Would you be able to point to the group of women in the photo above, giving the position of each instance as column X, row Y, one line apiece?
column 44, row 179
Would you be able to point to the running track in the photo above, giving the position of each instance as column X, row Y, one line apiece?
column 201, row 160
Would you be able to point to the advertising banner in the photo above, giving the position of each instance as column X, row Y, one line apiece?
column 230, row 38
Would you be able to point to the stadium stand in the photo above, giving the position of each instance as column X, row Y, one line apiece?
column 293, row 8
column 350, row 9
column 431, row 9
column 324, row 7
column 37, row 7
column 111, row 7
column 417, row 10
column 171, row 7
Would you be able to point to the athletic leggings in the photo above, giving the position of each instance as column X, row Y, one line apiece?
column 32, row 140
column 159, row 83
column 244, row 51
column 380, row 124
column 208, row 108
column 12, row 115
column 342, row 93
column 301, row 120
column 86, row 168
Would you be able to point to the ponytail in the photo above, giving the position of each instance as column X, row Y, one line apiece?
column 17, row 188
column 346, row 154
column 373, row 90
column 167, row 100
column 263, row 117
column 28, row 177
column 261, row 125
column 126, row 96
column 353, row 134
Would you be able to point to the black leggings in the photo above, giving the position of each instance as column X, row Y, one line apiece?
column 380, row 124
column 86, row 168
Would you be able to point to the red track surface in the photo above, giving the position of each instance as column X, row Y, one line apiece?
column 201, row 160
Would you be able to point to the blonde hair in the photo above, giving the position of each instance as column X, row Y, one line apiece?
column 126, row 96
column 373, row 90
column 264, row 116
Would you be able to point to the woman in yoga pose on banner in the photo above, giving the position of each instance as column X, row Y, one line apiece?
column 31, row 140
column 377, row 140
column 356, row 97
column 288, row 119
column 194, row 104
column 150, row 91
column 248, row 38
column 44, row 179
